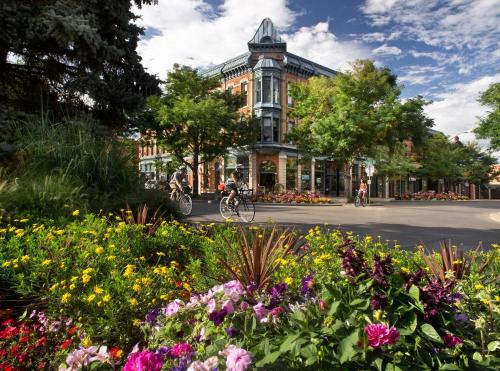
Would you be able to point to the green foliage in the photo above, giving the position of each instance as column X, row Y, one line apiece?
column 398, row 162
column 193, row 119
column 74, row 164
column 348, row 116
column 103, row 275
column 72, row 56
column 489, row 126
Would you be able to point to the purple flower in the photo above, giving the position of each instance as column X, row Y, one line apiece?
column 252, row 287
column 306, row 284
column 260, row 311
column 353, row 261
column 452, row 341
column 164, row 351
column 379, row 302
column 232, row 332
column 381, row 269
column 276, row 293
column 144, row 361
column 461, row 318
column 435, row 294
column 152, row 315
column 379, row 334
column 412, row 279
column 217, row 316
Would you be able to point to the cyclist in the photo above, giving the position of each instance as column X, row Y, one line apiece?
column 177, row 180
column 236, row 178
column 363, row 189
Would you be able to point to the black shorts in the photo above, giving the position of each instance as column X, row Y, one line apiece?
column 231, row 187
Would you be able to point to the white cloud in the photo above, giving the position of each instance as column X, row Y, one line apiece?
column 457, row 110
column 319, row 45
column 194, row 33
column 386, row 50
column 421, row 75
column 373, row 37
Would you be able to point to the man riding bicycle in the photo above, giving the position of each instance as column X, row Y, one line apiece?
column 177, row 180
column 235, row 181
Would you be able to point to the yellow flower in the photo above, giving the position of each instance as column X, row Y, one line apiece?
column 75, row 213
column 129, row 269
column 136, row 322
column 497, row 298
column 404, row 269
column 74, row 278
column 53, row 287
column 91, row 298
column 59, row 232
column 86, row 278
column 72, row 286
column 289, row 281
column 46, row 262
column 136, row 288
column 25, row 258
column 317, row 260
column 142, row 258
column 23, row 220
column 146, row 281
column 88, row 270
column 99, row 250
column 458, row 261
column 133, row 301
column 111, row 257
column 478, row 286
column 485, row 301
column 87, row 342
column 6, row 264
column 98, row 290
column 66, row 297
column 159, row 253
column 106, row 298
column 187, row 287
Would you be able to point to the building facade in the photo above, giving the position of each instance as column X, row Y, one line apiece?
column 264, row 75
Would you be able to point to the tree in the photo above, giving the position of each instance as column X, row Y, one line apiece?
column 348, row 116
column 397, row 161
column 489, row 126
column 194, row 121
column 70, row 55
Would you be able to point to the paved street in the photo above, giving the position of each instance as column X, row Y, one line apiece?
column 411, row 223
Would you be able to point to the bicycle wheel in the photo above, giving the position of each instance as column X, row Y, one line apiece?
column 185, row 205
column 357, row 201
column 363, row 202
column 246, row 210
column 225, row 210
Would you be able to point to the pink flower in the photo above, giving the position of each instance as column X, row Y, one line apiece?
column 322, row 304
column 452, row 341
column 276, row 311
column 208, row 365
column 173, row 307
column 244, row 306
column 228, row 306
column 237, row 359
column 144, row 361
column 379, row 334
column 260, row 311
column 181, row 349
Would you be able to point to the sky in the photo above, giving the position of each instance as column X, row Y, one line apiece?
column 447, row 51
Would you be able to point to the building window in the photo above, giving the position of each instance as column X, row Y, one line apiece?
column 290, row 100
column 269, row 130
column 244, row 91
column 266, row 89
column 306, row 176
column 276, row 90
column 291, row 173
column 258, row 90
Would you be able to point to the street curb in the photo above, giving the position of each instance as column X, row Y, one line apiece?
column 278, row 203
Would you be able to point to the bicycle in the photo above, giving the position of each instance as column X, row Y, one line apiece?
column 358, row 201
column 245, row 209
column 183, row 200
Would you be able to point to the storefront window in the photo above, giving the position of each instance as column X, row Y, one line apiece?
column 291, row 173
column 319, row 175
column 267, row 174
column 305, row 181
column 231, row 161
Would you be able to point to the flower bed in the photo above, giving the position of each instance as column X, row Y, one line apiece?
column 324, row 300
column 431, row 195
column 290, row 198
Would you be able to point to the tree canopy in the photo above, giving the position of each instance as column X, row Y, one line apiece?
column 350, row 115
column 196, row 122
column 489, row 126
column 70, row 55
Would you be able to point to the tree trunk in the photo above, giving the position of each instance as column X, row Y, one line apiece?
column 194, row 167
column 348, row 180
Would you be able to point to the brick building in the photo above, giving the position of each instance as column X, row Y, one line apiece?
column 264, row 74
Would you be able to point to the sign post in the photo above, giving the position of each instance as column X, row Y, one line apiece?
column 370, row 168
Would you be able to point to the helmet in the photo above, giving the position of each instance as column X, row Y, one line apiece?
column 239, row 167
column 183, row 168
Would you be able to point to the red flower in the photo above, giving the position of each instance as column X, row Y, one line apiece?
column 41, row 342
column 73, row 330
column 322, row 304
column 24, row 340
column 452, row 341
column 116, row 353
column 41, row 366
column 22, row 358
column 14, row 351
column 8, row 332
column 379, row 334
column 7, row 322
column 3, row 352
column 66, row 344
column 6, row 367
